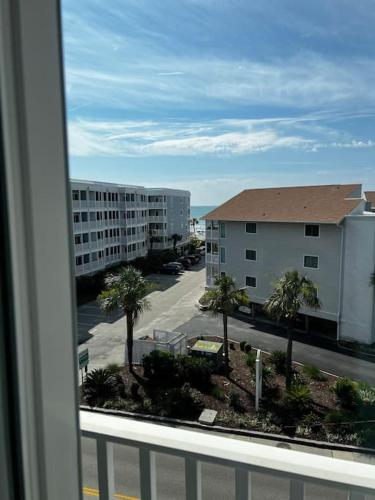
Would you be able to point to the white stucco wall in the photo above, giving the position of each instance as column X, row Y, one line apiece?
column 357, row 308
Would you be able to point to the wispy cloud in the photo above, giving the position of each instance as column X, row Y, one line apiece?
column 218, row 137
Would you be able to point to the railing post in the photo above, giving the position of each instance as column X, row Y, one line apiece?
column 193, row 479
column 297, row 490
column 106, row 471
column 243, row 484
column 147, row 473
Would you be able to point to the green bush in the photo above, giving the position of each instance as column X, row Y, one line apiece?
column 116, row 404
column 242, row 345
column 314, row 373
column 247, row 348
column 278, row 359
column 179, row 402
column 160, row 368
column 297, row 400
column 217, row 393
column 100, row 386
column 235, row 402
column 347, row 393
column 267, row 375
column 114, row 368
column 250, row 359
column 195, row 371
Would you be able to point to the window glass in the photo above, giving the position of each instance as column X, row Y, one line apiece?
column 85, row 237
column 84, row 216
column 222, row 230
column 83, row 195
column 251, row 227
column 75, row 195
column 222, row 255
column 312, row 230
column 251, row 254
column 311, row 261
column 86, row 258
column 251, row 281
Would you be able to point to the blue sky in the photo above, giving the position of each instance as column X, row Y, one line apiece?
column 216, row 96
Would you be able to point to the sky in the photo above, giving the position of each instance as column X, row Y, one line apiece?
column 216, row 96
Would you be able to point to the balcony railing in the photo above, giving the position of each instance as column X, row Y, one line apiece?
column 303, row 471
column 212, row 258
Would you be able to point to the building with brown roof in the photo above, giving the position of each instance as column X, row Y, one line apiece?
column 325, row 232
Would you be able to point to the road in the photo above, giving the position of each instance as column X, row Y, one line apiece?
column 174, row 307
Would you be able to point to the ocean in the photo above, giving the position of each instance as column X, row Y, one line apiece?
column 197, row 212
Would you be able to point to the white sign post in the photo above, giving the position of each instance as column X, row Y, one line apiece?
column 258, row 379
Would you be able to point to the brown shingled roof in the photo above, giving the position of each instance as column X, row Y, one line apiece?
column 325, row 204
column 370, row 196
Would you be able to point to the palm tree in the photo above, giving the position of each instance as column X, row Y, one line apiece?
column 222, row 300
column 176, row 237
column 291, row 292
column 126, row 290
column 194, row 222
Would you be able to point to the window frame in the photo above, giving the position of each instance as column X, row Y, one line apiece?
column 251, row 232
column 251, row 250
column 252, row 277
column 222, row 250
column 308, row 267
column 309, row 235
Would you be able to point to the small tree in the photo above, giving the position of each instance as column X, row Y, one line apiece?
column 194, row 243
column 175, row 238
column 194, row 222
column 291, row 292
column 222, row 300
column 126, row 290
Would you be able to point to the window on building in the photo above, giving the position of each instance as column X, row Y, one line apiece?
column 78, row 260
column 83, row 195
column 92, row 195
column 251, row 254
column 92, row 216
column 93, row 237
column 222, row 229
column 77, row 239
column 84, row 216
column 76, row 217
column 222, row 255
column 251, row 281
column 215, row 248
column 251, row 227
column 86, row 258
column 85, row 237
column 222, row 274
column 312, row 230
column 75, row 195
column 311, row 261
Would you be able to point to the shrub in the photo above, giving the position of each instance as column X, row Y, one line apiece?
column 160, row 368
column 116, row 404
column 179, row 402
column 235, row 402
column 114, row 368
column 367, row 397
column 278, row 359
column 250, row 360
column 247, row 348
column 100, row 386
column 346, row 391
column 134, row 391
column 267, row 374
column 242, row 345
column 297, row 399
column 195, row 371
column 217, row 393
column 314, row 373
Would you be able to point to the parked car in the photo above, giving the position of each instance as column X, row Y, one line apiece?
column 185, row 261
column 176, row 263
column 195, row 258
column 171, row 268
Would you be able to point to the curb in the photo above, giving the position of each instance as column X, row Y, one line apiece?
column 228, row 430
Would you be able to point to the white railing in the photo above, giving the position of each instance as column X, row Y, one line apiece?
column 353, row 479
column 212, row 258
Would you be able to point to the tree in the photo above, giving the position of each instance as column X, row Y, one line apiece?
column 126, row 290
column 291, row 292
column 194, row 243
column 194, row 222
column 222, row 300
column 176, row 237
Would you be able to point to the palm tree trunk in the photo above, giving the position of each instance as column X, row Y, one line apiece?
column 288, row 368
column 129, row 339
column 226, row 351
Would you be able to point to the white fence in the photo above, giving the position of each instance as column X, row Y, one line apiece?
column 173, row 342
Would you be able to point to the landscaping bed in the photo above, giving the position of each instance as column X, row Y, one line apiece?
column 318, row 406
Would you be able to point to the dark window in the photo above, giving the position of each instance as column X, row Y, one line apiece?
column 251, row 254
column 85, row 237
column 311, row 261
column 84, row 217
column 83, row 195
column 251, row 227
column 75, row 195
column 78, row 260
column 76, row 217
column 77, row 239
column 312, row 230
column 86, row 258
column 251, row 281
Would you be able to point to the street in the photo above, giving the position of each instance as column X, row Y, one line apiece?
column 174, row 307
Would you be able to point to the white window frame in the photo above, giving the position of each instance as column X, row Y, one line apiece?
column 256, row 281
column 251, row 250
column 307, row 267
column 225, row 255
column 256, row 227
column 40, row 249
column 221, row 223
column 314, row 237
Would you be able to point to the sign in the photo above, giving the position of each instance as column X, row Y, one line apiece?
column 244, row 309
column 83, row 359
column 258, row 379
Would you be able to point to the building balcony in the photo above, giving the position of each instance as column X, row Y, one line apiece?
column 156, row 205
column 212, row 258
column 157, row 218
column 212, row 234
column 255, row 470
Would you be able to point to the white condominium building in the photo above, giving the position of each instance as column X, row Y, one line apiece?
column 114, row 223
column 324, row 232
